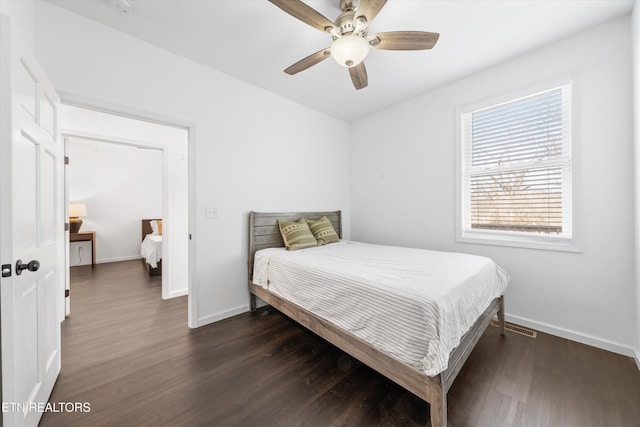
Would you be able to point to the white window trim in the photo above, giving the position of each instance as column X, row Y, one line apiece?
column 516, row 239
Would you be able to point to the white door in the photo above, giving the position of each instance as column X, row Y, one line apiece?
column 32, row 229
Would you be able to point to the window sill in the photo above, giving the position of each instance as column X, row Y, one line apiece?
column 525, row 242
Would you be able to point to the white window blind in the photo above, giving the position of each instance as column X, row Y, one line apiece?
column 517, row 168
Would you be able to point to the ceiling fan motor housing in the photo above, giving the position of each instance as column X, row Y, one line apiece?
column 346, row 25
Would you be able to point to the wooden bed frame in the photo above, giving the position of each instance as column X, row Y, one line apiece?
column 264, row 233
column 146, row 229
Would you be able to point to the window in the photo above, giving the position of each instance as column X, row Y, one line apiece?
column 517, row 171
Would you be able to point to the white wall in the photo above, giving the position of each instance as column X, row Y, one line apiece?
column 635, row 26
column 403, row 187
column 253, row 150
column 120, row 185
column 21, row 13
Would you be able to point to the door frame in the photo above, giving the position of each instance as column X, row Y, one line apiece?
column 66, row 135
column 88, row 103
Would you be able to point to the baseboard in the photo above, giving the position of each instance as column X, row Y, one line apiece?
column 107, row 260
column 117, row 259
column 574, row 336
column 222, row 315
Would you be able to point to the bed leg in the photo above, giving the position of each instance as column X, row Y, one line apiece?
column 501, row 323
column 252, row 302
column 438, row 409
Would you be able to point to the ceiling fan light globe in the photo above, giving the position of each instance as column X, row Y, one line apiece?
column 349, row 50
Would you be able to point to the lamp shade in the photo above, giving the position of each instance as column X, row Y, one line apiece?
column 349, row 50
column 77, row 210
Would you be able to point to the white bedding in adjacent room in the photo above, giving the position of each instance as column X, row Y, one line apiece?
column 151, row 249
column 413, row 304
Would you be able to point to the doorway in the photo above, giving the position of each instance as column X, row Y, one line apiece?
column 79, row 123
column 111, row 186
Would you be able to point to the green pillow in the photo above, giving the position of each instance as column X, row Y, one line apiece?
column 323, row 231
column 296, row 235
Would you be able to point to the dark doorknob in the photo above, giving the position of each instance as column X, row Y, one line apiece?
column 33, row 265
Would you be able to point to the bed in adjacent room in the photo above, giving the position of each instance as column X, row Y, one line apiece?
column 151, row 246
column 411, row 314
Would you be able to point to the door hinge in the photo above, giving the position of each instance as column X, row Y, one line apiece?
column 6, row 270
column 66, row 226
column 66, row 293
column 66, row 160
column 189, row 236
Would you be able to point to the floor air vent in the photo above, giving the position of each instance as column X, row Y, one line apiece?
column 517, row 329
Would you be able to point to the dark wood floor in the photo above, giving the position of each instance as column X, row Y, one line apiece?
column 132, row 357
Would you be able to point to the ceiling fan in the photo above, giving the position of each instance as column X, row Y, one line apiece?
column 351, row 42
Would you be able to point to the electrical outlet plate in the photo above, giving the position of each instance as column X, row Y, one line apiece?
column 211, row 212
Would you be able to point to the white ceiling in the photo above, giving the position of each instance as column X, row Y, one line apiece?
column 255, row 41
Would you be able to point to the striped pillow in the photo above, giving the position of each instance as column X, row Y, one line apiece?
column 296, row 235
column 323, row 231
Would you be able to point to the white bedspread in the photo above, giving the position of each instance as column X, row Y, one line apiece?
column 151, row 249
column 413, row 304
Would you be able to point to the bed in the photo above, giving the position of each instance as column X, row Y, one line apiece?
column 264, row 234
column 151, row 247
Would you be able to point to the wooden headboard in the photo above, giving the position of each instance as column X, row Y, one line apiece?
column 146, row 226
column 265, row 233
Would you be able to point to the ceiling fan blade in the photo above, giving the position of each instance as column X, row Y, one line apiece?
column 404, row 40
column 305, row 13
column 358, row 75
column 369, row 8
column 309, row 61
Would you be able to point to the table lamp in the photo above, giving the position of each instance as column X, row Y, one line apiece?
column 76, row 210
